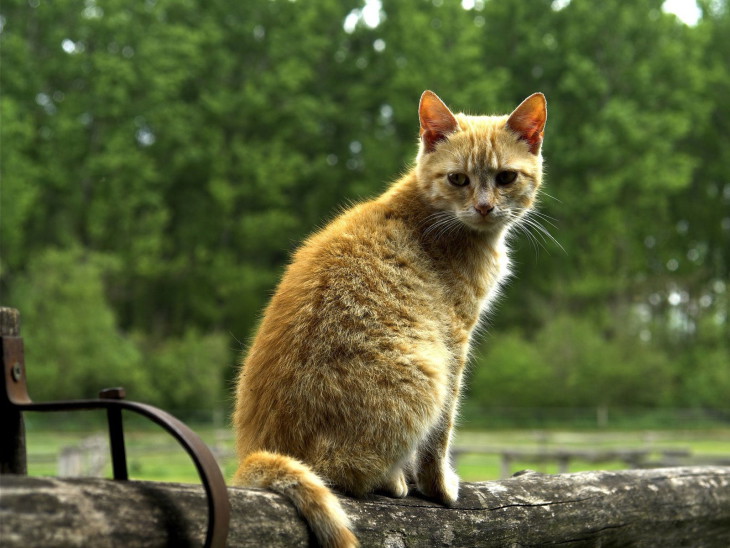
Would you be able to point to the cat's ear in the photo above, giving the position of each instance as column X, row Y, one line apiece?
column 528, row 120
column 437, row 122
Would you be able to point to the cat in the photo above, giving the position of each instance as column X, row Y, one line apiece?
column 353, row 377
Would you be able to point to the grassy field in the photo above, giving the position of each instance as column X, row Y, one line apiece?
column 153, row 455
column 703, row 446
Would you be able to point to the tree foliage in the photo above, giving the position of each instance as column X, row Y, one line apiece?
column 160, row 160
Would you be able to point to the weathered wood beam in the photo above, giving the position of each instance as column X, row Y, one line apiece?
column 661, row 507
column 12, row 426
column 9, row 322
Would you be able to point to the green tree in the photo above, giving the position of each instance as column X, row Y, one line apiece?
column 186, row 373
column 511, row 371
column 570, row 362
column 592, row 370
column 73, row 346
column 185, row 148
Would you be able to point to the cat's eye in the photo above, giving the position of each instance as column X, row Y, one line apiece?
column 458, row 179
column 506, row 177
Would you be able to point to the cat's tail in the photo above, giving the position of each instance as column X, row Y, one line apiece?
column 312, row 498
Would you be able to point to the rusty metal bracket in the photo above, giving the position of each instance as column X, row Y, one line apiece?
column 14, row 400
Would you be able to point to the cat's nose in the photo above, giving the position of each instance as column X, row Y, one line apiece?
column 484, row 208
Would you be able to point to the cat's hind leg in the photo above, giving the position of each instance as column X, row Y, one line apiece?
column 436, row 478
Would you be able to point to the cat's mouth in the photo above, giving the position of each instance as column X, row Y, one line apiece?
column 483, row 221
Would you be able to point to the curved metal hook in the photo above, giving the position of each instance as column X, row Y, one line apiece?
column 16, row 396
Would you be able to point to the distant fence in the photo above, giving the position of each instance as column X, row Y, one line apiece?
column 563, row 457
column 90, row 456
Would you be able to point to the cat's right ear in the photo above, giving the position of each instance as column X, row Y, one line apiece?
column 528, row 121
column 437, row 122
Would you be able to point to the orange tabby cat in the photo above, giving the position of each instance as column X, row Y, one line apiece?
column 353, row 378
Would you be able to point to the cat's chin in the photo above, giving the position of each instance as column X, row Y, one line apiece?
column 484, row 225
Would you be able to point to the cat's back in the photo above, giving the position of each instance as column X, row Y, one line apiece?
column 362, row 268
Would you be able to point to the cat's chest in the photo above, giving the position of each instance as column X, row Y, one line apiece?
column 474, row 285
column 496, row 274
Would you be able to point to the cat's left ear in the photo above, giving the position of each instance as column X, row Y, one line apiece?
column 528, row 120
column 437, row 122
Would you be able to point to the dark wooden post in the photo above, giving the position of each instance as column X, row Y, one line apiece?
column 12, row 428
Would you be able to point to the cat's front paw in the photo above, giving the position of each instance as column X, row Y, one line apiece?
column 441, row 484
column 396, row 486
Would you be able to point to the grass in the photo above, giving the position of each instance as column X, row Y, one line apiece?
column 153, row 455
column 713, row 443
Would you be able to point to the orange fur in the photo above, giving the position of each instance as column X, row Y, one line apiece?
column 353, row 377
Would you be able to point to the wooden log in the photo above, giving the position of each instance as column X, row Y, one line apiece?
column 661, row 507
column 12, row 426
column 9, row 322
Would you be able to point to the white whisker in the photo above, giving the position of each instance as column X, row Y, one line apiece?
column 542, row 216
column 529, row 224
column 441, row 224
column 543, row 193
column 534, row 242
column 543, row 232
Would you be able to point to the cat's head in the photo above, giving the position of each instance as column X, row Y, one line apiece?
column 485, row 170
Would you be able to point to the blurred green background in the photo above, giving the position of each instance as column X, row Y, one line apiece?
column 161, row 159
